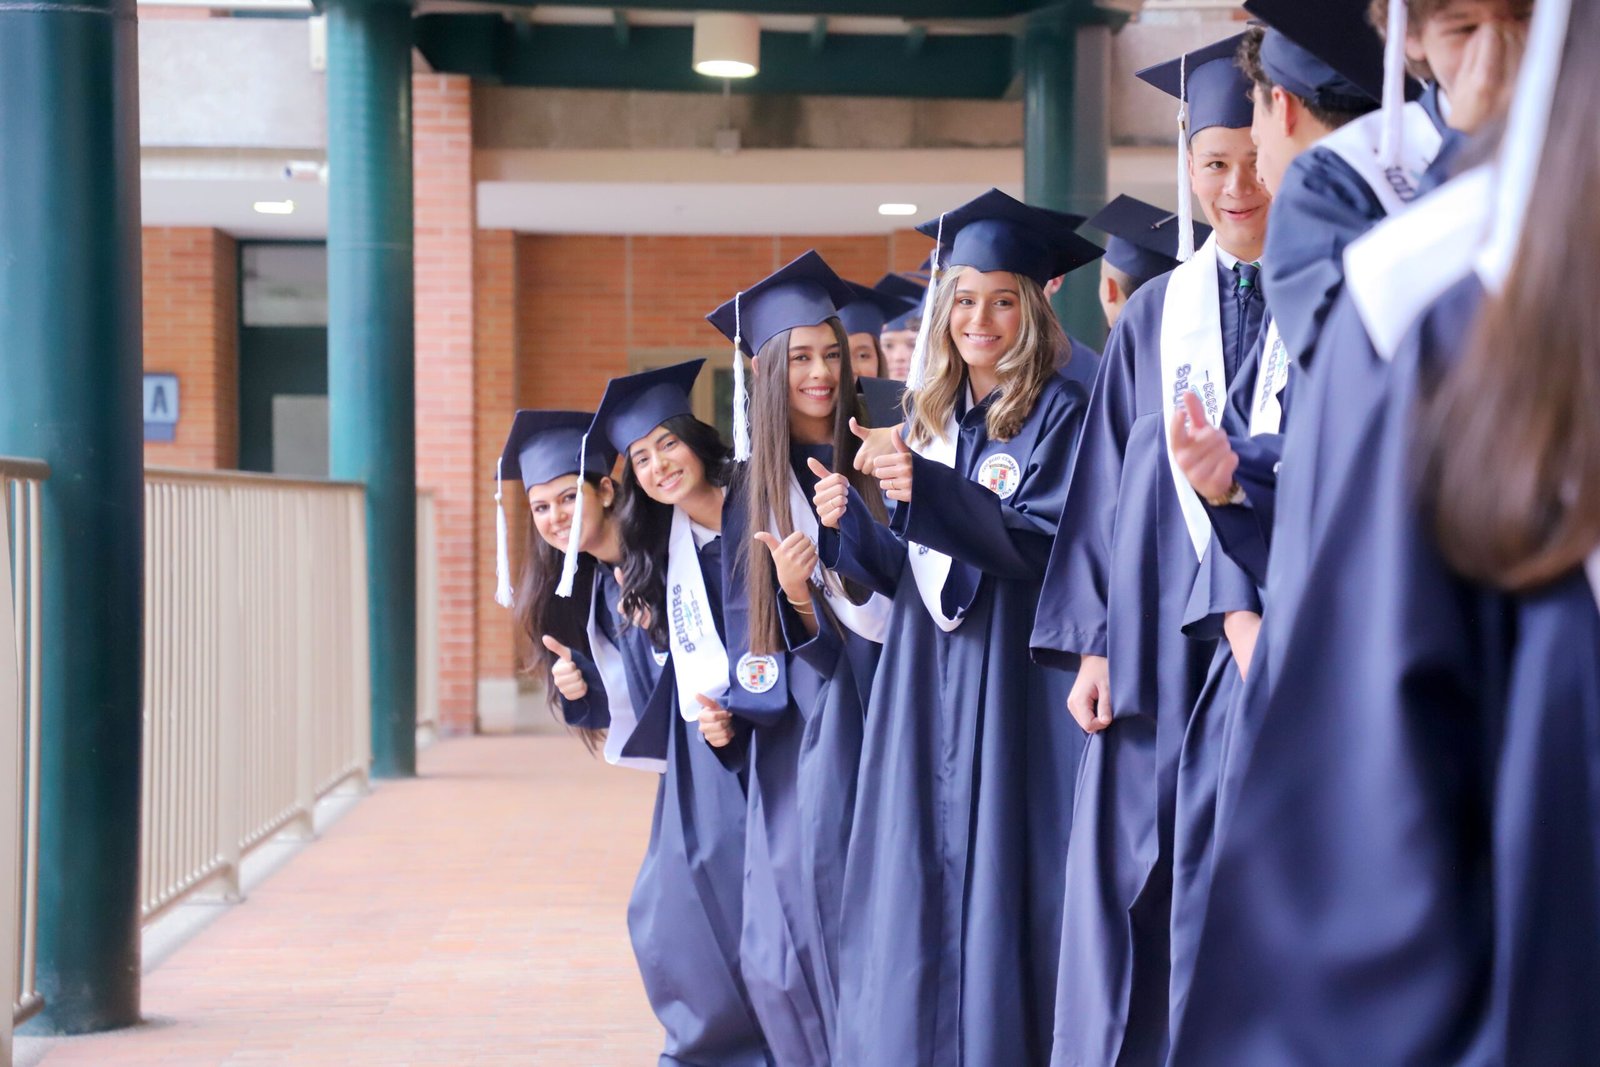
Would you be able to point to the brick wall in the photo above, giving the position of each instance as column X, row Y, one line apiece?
column 191, row 329
column 496, row 390
column 446, row 228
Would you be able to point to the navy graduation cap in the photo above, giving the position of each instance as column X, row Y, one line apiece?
column 1326, row 53
column 544, row 445
column 883, row 398
column 802, row 293
column 1144, row 238
column 1208, row 79
column 902, row 286
column 635, row 404
column 870, row 309
column 999, row 232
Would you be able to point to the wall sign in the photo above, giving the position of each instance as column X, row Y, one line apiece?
column 160, row 407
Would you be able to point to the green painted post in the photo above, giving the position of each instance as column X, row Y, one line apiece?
column 1065, row 140
column 70, row 367
column 371, row 392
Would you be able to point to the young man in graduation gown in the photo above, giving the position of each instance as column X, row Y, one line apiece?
column 1120, row 574
column 1142, row 244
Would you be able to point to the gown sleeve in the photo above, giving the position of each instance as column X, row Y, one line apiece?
column 862, row 549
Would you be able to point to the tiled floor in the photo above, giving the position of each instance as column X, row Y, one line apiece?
column 475, row 915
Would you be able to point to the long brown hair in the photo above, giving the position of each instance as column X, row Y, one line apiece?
column 1511, row 440
column 765, row 478
column 1022, row 372
column 539, row 611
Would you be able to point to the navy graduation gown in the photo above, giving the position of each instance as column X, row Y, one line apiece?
column 1082, row 363
column 593, row 710
column 779, row 948
column 1118, row 584
column 686, row 912
column 1353, row 914
column 953, row 889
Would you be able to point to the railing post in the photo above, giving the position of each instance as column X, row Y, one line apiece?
column 230, row 690
column 305, row 691
column 11, row 798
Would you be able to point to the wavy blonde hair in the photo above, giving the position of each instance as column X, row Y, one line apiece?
column 1022, row 371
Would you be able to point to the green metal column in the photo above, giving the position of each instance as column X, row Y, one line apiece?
column 1065, row 139
column 371, row 389
column 70, row 366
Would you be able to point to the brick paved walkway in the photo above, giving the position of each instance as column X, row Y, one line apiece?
column 476, row 915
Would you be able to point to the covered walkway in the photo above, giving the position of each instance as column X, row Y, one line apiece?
column 473, row 915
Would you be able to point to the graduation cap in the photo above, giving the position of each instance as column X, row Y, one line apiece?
column 1326, row 53
column 1211, row 91
column 883, row 398
column 1144, row 238
column 542, row 446
column 999, row 232
column 804, row 292
column 870, row 309
column 902, row 286
column 635, row 404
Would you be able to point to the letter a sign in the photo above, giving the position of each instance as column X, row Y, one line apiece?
column 160, row 407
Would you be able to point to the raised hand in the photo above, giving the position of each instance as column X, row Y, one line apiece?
column 1489, row 63
column 795, row 558
column 875, row 443
column 893, row 471
column 831, row 497
column 1202, row 451
column 716, row 722
column 1090, row 699
column 566, row 674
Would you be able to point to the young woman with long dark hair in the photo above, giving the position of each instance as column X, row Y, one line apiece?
column 1417, row 797
column 953, row 884
column 804, row 644
column 668, row 511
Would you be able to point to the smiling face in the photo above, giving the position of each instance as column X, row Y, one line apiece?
column 863, row 355
column 667, row 469
column 814, row 358
column 986, row 316
column 553, row 504
column 1222, row 169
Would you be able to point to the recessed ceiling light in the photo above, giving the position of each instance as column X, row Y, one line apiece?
column 274, row 207
column 897, row 209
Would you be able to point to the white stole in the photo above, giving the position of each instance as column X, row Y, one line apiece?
column 1592, row 566
column 1192, row 361
column 624, row 716
column 1272, row 374
column 1357, row 144
column 869, row 620
column 699, row 658
column 931, row 569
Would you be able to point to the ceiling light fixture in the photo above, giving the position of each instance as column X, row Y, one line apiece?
column 897, row 209
column 274, row 207
column 727, row 45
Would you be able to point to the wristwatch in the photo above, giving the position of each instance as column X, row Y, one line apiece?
column 1235, row 495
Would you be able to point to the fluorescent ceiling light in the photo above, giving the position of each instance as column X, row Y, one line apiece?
column 897, row 209
column 727, row 45
column 274, row 207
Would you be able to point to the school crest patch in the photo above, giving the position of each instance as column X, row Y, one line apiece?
column 757, row 673
column 1000, row 474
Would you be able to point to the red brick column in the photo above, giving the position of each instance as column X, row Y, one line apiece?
column 191, row 329
column 495, row 389
column 446, row 224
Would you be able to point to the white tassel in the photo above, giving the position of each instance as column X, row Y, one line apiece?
column 917, row 376
column 741, row 396
column 1185, row 189
column 502, row 552
column 569, row 563
column 1391, row 142
column 1522, row 147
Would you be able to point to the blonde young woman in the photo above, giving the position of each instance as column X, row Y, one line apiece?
column 953, row 881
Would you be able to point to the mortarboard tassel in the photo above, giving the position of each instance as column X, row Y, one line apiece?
column 1392, row 141
column 1185, row 189
column 502, row 552
column 569, row 562
column 917, row 376
column 741, row 396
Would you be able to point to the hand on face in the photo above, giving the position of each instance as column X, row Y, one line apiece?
column 1487, row 75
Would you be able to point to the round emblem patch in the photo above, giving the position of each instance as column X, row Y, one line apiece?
column 659, row 656
column 1000, row 474
column 757, row 673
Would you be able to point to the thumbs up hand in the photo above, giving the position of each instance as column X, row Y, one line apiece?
column 831, row 496
column 875, row 443
column 893, row 471
column 716, row 722
column 566, row 674
column 795, row 558
column 1202, row 451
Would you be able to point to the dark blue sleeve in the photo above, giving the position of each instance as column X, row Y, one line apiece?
column 1221, row 586
column 862, row 549
column 951, row 513
column 821, row 650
